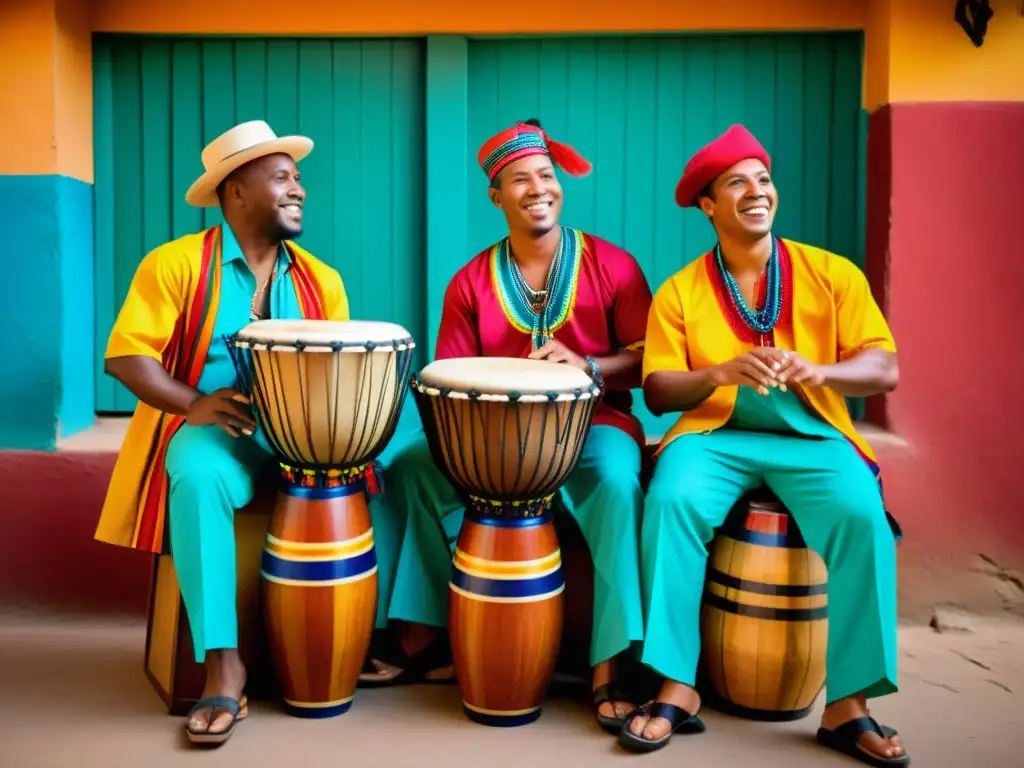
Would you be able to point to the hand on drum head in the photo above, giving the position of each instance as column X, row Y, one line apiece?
column 556, row 352
column 221, row 408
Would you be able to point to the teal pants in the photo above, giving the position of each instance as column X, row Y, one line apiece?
column 602, row 493
column 212, row 475
column 835, row 501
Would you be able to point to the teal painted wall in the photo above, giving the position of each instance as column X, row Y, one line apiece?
column 47, row 309
column 396, row 200
column 638, row 108
column 159, row 101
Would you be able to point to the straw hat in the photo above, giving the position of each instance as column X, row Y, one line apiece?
column 236, row 147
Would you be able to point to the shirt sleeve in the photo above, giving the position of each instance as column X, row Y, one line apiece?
column 156, row 300
column 665, row 343
column 632, row 306
column 860, row 322
column 458, row 336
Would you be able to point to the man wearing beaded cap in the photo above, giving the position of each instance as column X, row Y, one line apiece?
column 546, row 291
column 762, row 395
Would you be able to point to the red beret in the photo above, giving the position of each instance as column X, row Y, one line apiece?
column 711, row 160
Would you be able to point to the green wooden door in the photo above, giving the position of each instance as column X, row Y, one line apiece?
column 159, row 101
column 638, row 108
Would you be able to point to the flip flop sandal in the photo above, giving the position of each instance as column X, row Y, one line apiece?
column 844, row 739
column 413, row 669
column 239, row 711
column 680, row 721
column 609, row 692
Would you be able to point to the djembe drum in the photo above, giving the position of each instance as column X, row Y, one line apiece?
column 327, row 396
column 505, row 432
column 764, row 617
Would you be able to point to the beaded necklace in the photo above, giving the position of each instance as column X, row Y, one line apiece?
column 539, row 313
column 763, row 320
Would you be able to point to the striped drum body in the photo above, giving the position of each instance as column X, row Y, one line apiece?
column 764, row 620
column 505, row 613
column 505, row 432
column 320, row 594
column 328, row 395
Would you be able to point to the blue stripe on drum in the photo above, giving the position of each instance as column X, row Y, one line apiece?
column 499, row 720
column 316, row 573
column 775, row 540
column 509, row 522
column 481, row 588
column 317, row 711
column 288, row 488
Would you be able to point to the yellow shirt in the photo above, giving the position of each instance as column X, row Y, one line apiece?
column 169, row 315
column 834, row 317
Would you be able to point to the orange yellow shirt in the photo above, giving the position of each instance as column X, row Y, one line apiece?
column 834, row 316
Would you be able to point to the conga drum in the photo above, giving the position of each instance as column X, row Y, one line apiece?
column 764, row 617
column 327, row 396
column 505, row 432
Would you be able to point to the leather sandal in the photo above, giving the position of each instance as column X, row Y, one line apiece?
column 239, row 710
column 678, row 718
column 844, row 739
column 413, row 669
column 607, row 693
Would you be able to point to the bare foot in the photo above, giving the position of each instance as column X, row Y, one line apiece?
column 225, row 676
column 655, row 728
column 605, row 673
column 852, row 707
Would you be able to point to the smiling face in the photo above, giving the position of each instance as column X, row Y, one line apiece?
column 528, row 193
column 266, row 194
column 742, row 201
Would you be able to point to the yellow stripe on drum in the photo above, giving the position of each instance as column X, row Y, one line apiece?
column 507, row 569
column 319, row 550
column 322, row 583
column 499, row 712
column 505, row 598
column 321, row 709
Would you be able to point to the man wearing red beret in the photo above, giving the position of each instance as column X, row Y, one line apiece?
column 546, row 291
column 757, row 343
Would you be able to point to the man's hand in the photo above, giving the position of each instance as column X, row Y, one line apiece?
column 757, row 369
column 794, row 369
column 221, row 408
column 556, row 352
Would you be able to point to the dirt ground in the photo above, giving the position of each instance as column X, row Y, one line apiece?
column 72, row 693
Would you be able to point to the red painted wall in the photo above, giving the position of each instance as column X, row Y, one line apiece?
column 951, row 237
column 48, row 557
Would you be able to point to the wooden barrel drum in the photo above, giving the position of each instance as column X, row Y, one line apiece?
column 506, row 433
column 328, row 396
column 764, row 618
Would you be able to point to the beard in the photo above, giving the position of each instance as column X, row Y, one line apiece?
column 278, row 230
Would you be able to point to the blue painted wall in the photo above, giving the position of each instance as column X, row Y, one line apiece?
column 46, row 297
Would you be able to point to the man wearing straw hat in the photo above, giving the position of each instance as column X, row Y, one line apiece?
column 192, row 449
column 547, row 291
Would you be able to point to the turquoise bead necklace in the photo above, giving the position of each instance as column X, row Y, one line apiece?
column 763, row 320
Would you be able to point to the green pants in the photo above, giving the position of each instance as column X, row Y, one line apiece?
column 212, row 475
column 603, row 494
column 835, row 501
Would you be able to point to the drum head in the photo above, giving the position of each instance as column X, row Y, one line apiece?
column 504, row 375
column 325, row 334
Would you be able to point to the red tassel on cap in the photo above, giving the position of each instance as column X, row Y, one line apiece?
column 567, row 158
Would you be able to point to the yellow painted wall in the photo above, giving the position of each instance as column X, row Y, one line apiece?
column 418, row 17
column 917, row 52
column 27, row 65
column 46, row 88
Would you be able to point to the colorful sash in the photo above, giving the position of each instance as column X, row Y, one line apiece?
column 184, row 360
